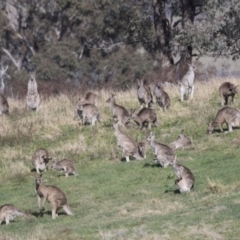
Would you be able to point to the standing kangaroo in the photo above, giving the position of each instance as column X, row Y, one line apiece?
column 120, row 114
column 8, row 212
column 144, row 94
column 33, row 100
column 181, row 142
column 227, row 90
column 228, row 115
column 66, row 166
column 144, row 116
column 128, row 145
column 40, row 159
column 53, row 195
column 4, row 107
column 162, row 97
column 88, row 113
column 187, row 84
column 185, row 179
column 163, row 153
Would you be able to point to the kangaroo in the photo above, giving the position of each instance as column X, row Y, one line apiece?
column 120, row 114
column 144, row 116
column 53, row 195
column 66, row 166
column 33, row 99
column 162, row 97
column 181, row 142
column 128, row 145
column 144, row 94
column 186, row 84
column 40, row 159
column 8, row 212
column 88, row 113
column 185, row 179
column 226, row 90
column 228, row 115
column 89, row 98
column 163, row 153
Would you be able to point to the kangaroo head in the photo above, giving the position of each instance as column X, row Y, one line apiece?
column 210, row 128
column 192, row 67
column 151, row 137
column 32, row 76
column 111, row 98
column 181, row 135
column 38, row 179
column 234, row 89
column 53, row 164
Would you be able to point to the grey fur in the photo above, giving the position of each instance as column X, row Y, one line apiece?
column 164, row 155
column 144, row 116
column 120, row 114
column 227, row 90
column 228, row 115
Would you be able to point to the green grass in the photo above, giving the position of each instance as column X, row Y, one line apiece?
column 112, row 199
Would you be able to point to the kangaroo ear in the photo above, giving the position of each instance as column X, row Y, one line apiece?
column 182, row 132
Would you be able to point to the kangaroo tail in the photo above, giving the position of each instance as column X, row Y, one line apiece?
column 67, row 210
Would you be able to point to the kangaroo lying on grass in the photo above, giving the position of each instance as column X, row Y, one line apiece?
column 40, row 159
column 120, row 114
column 8, row 212
column 227, row 90
column 128, row 145
column 228, row 115
column 65, row 165
column 53, row 195
column 185, row 180
column 181, row 142
column 144, row 116
column 163, row 153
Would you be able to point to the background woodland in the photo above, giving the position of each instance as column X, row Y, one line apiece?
column 112, row 43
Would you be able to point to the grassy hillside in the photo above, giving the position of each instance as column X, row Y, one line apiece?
column 113, row 199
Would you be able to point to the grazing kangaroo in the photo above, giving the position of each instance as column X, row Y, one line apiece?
column 144, row 116
column 4, row 107
column 186, row 84
column 53, row 195
column 66, row 166
column 32, row 99
column 181, row 142
column 228, row 115
column 8, row 212
column 185, row 179
column 88, row 113
column 90, row 98
column 162, row 97
column 163, row 153
column 227, row 90
column 144, row 94
column 128, row 145
column 120, row 114
column 40, row 159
